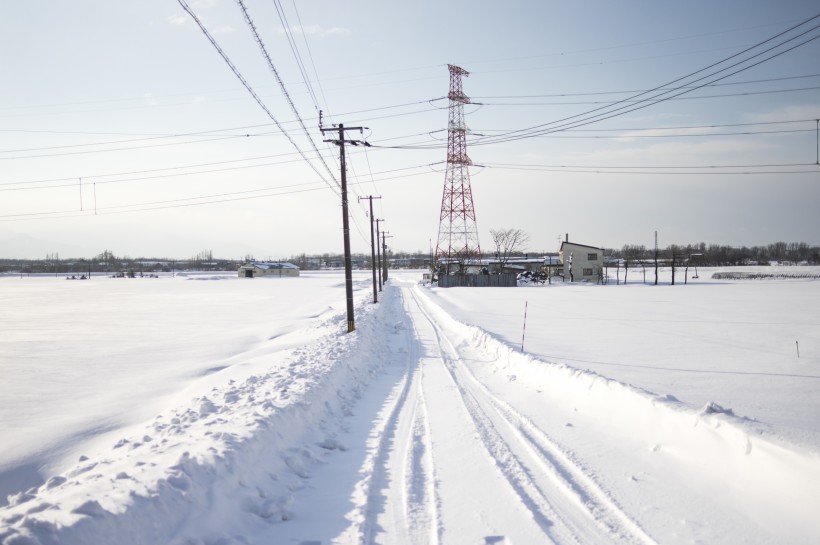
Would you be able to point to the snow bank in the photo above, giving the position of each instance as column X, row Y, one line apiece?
column 678, row 459
column 734, row 343
column 217, row 467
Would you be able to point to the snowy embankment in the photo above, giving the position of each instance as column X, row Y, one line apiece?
column 678, row 473
column 637, row 414
column 213, row 465
column 752, row 347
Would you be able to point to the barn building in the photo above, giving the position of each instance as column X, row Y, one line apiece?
column 261, row 268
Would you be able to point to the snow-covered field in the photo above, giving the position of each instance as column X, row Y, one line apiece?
column 208, row 410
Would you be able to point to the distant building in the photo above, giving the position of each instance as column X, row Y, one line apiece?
column 581, row 263
column 261, row 268
column 518, row 264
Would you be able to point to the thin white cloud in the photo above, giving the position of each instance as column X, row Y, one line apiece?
column 225, row 29
column 199, row 7
column 660, row 132
column 701, row 152
column 204, row 4
column 786, row 113
column 179, row 18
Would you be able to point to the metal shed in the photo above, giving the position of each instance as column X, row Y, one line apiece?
column 261, row 268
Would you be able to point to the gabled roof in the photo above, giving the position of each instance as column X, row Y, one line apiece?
column 581, row 245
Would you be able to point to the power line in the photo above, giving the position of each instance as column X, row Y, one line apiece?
column 179, row 203
column 100, row 178
column 185, row 202
column 567, row 134
column 295, row 50
column 731, row 83
column 300, row 64
column 753, row 165
column 110, row 142
column 128, row 173
column 252, row 92
column 708, row 126
column 592, row 117
column 310, row 55
column 370, row 170
column 634, row 44
column 205, row 132
column 157, row 177
column 149, row 206
column 131, row 148
column 685, row 135
column 275, row 72
column 662, row 170
column 700, row 97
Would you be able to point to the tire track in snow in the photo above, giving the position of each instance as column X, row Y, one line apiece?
column 564, row 471
column 545, row 477
column 479, row 498
column 410, row 515
column 419, row 491
column 399, row 444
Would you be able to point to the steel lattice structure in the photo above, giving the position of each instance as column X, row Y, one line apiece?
column 457, row 232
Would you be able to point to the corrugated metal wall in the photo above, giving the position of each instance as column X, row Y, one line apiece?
column 478, row 281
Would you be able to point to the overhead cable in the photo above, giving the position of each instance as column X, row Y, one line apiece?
column 275, row 72
column 253, row 93
column 295, row 50
column 661, row 95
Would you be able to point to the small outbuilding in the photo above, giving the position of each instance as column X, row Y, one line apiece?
column 262, row 268
column 581, row 262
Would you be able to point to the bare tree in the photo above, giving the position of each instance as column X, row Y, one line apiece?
column 507, row 242
column 632, row 253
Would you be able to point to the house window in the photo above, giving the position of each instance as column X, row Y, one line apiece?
column 587, row 272
column 592, row 257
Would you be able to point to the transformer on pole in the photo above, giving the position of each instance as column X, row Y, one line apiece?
column 457, row 232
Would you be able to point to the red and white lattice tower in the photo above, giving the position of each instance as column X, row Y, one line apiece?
column 457, row 231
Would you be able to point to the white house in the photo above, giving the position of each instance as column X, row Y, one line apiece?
column 581, row 263
column 261, row 268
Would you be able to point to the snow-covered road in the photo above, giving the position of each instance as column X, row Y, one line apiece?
column 497, row 477
column 417, row 429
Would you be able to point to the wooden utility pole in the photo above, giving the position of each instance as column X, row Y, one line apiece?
column 351, row 326
column 384, row 253
column 379, row 253
column 372, row 247
column 656, row 258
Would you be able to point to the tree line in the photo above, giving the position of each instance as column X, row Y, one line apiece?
column 506, row 244
column 721, row 255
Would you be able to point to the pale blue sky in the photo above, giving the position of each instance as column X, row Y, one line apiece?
column 114, row 100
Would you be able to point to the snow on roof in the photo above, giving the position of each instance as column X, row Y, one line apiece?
column 268, row 265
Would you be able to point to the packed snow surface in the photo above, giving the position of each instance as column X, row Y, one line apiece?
column 215, row 410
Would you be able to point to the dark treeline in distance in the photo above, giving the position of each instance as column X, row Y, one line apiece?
column 706, row 255
column 716, row 255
